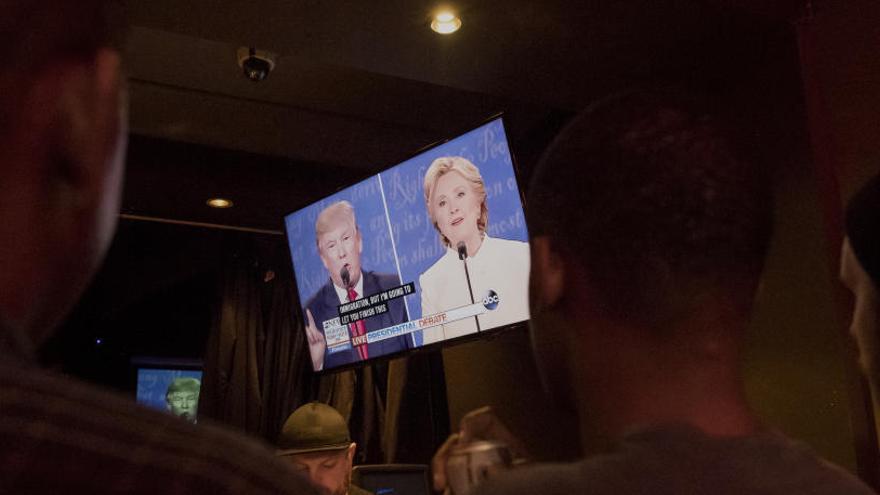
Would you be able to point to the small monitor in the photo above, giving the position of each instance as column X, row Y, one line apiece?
column 393, row 479
column 172, row 386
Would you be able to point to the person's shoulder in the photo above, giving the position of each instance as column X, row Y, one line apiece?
column 443, row 264
column 383, row 280
column 762, row 462
column 802, row 470
column 509, row 246
column 62, row 418
column 510, row 257
column 605, row 474
column 681, row 461
column 839, row 481
column 320, row 297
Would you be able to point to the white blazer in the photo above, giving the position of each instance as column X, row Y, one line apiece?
column 500, row 264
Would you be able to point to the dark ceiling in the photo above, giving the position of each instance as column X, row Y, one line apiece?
column 361, row 85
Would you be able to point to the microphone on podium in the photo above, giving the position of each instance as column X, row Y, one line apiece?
column 461, row 247
column 357, row 329
column 344, row 275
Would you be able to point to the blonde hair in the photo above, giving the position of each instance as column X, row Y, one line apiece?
column 325, row 222
column 183, row 384
column 444, row 165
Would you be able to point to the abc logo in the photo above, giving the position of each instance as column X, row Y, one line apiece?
column 491, row 300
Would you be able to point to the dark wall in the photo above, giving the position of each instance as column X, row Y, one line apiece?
column 154, row 296
column 501, row 373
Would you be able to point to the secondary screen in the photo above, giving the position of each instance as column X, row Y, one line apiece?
column 173, row 390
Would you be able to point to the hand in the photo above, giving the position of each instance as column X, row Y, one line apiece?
column 479, row 424
column 317, row 344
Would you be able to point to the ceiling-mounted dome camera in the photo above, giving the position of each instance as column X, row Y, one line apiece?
column 255, row 64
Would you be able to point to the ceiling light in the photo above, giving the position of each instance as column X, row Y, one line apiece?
column 445, row 23
column 219, row 203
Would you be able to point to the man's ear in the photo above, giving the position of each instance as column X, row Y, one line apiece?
column 547, row 277
column 351, row 449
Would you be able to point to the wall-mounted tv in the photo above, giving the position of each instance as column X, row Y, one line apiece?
column 429, row 251
column 170, row 385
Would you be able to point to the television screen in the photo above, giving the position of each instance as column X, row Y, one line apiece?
column 428, row 251
column 173, row 390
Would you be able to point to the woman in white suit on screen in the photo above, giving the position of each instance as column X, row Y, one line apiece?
column 456, row 200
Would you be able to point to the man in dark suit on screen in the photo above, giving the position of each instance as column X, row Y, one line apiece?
column 340, row 246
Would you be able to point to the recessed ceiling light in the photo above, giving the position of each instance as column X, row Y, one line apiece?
column 445, row 23
column 219, row 203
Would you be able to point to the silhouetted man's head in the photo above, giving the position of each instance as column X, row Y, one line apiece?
column 62, row 132
column 642, row 212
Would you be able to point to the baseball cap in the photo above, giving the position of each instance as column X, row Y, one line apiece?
column 314, row 427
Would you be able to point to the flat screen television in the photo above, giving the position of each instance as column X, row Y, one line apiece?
column 170, row 385
column 430, row 251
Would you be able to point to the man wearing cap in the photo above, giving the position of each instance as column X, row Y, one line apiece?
column 316, row 441
column 860, row 273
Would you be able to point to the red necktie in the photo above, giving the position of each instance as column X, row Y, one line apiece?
column 358, row 328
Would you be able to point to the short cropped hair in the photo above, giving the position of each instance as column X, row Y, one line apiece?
column 650, row 195
column 325, row 223
column 442, row 166
column 183, row 384
column 34, row 33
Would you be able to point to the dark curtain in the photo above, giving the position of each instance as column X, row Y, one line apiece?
column 286, row 374
column 420, row 423
column 396, row 410
column 231, row 388
column 258, row 371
